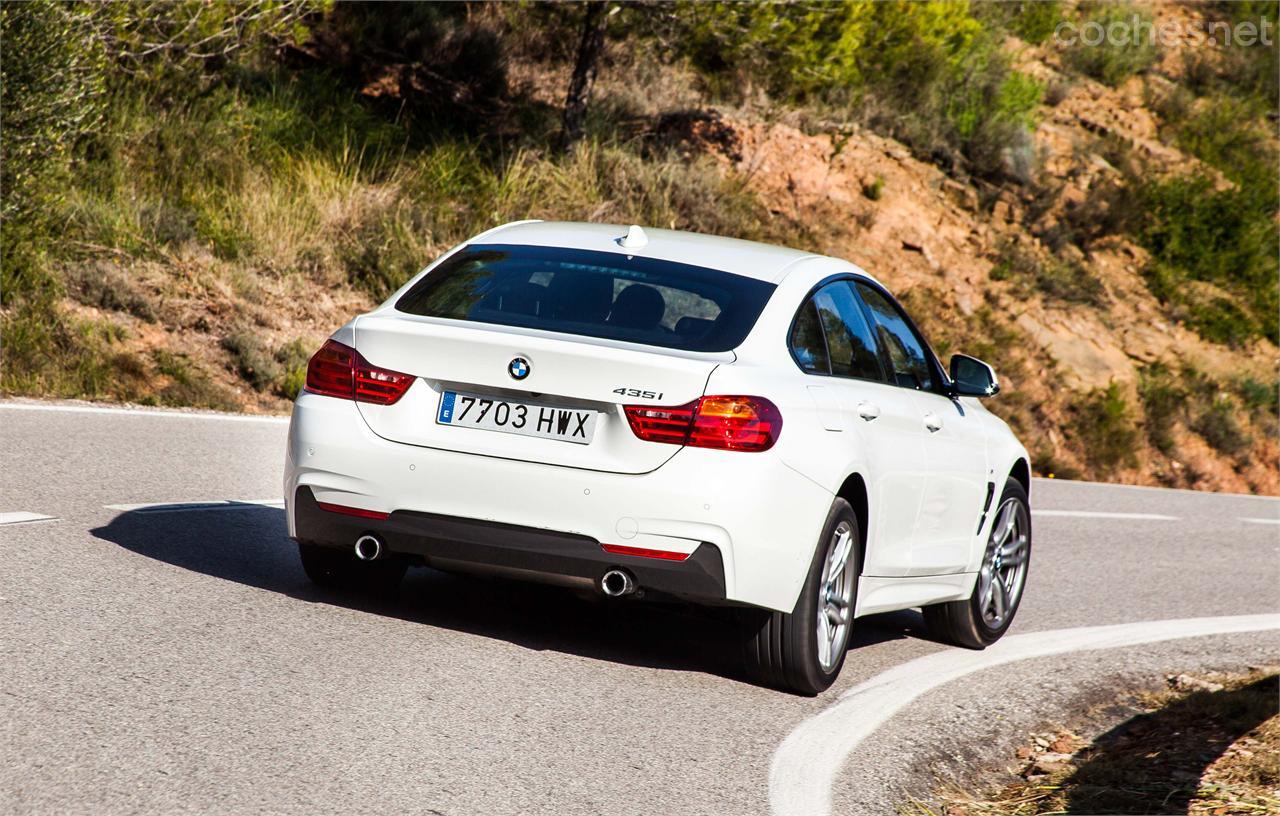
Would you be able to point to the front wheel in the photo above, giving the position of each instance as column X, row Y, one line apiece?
column 980, row 620
column 802, row 651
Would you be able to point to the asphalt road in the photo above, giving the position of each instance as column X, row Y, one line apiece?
column 174, row 659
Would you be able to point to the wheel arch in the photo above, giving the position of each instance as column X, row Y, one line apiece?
column 1022, row 472
column 854, row 490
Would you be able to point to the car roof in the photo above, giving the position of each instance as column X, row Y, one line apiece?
column 752, row 259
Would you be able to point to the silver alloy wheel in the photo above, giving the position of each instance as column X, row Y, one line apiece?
column 1004, row 566
column 835, row 597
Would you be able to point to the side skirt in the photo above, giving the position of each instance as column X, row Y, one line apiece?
column 891, row 594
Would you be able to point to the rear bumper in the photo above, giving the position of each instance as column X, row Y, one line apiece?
column 759, row 516
column 527, row 553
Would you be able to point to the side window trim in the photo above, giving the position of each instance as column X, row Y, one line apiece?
column 826, row 346
column 942, row 382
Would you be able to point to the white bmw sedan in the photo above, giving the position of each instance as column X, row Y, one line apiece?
column 669, row 415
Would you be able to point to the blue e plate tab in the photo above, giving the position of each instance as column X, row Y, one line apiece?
column 446, row 406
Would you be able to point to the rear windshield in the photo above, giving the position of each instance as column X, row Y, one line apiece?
column 596, row 294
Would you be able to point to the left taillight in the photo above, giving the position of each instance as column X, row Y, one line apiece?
column 737, row 423
column 339, row 371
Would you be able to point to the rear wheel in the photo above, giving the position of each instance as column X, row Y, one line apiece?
column 802, row 651
column 980, row 620
column 336, row 568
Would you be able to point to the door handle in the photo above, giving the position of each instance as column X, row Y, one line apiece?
column 933, row 422
column 868, row 410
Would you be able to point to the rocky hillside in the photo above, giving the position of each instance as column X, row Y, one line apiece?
column 1121, row 359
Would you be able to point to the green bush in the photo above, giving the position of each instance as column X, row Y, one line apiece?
column 1226, row 237
column 293, row 358
column 874, row 190
column 1110, row 62
column 1246, row 71
column 1229, row 134
column 1219, row 319
column 1259, row 397
column 1163, row 403
column 251, row 359
column 187, row 385
column 52, row 81
column 797, row 50
column 1105, row 428
column 1064, row 281
column 1034, row 20
column 1200, row 229
column 868, row 57
column 1203, row 405
column 1217, row 424
column 1044, row 463
column 106, row 286
column 54, row 355
column 282, row 372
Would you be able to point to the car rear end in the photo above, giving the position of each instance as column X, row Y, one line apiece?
column 543, row 413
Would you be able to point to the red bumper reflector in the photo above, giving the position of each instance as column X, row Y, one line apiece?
column 618, row 549
column 352, row 511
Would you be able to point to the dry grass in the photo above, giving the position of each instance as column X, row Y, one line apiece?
column 1205, row 745
column 208, row 244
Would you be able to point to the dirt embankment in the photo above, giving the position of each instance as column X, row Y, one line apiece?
column 941, row 244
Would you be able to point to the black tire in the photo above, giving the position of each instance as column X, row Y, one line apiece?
column 781, row 649
column 963, row 623
column 334, row 568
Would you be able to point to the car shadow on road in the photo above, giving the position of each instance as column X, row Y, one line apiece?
column 248, row 545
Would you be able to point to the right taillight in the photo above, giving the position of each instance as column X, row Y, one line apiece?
column 337, row 370
column 737, row 423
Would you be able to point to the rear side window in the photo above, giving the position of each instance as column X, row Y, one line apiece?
column 594, row 294
column 906, row 351
column 808, row 346
column 830, row 336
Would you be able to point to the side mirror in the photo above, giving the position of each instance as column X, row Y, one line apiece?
column 970, row 377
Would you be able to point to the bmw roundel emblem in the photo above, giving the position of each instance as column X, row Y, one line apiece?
column 518, row 368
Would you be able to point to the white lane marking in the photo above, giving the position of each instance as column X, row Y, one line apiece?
column 1261, row 521
column 141, row 412
column 22, row 517
column 1099, row 514
column 182, row 507
column 806, row 764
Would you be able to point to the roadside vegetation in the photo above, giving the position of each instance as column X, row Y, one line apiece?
column 1205, row 744
column 195, row 194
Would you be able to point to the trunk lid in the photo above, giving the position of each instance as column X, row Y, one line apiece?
column 565, row 371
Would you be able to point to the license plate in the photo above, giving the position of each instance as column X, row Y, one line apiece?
column 512, row 416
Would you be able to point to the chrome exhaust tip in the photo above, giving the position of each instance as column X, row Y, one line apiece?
column 369, row 547
column 617, row 583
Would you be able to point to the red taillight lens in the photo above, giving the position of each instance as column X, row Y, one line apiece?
column 339, row 371
column 378, row 385
column 722, row 422
column 329, row 371
column 670, row 425
column 736, row 423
